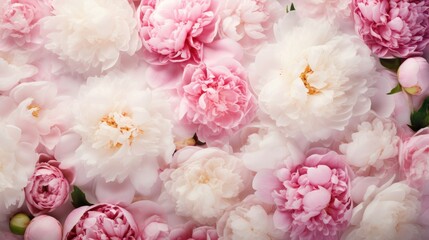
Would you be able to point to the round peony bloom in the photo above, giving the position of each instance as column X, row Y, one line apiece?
column 389, row 213
column 393, row 28
column 17, row 160
column 176, row 30
column 101, row 221
column 205, row 182
column 373, row 148
column 44, row 227
column 91, row 34
column 216, row 99
column 47, row 188
column 249, row 22
column 20, row 23
column 414, row 158
column 249, row 219
column 125, row 129
column 413, row 75
column 308, row 83
column 313, row 199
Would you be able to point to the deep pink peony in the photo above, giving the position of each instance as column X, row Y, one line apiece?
column 216, row 99
column 414, row 159
column 176, row 30
column 19, row 23
column 393, row 28
column 101, row 221
column 47, row 189
column 313, row 199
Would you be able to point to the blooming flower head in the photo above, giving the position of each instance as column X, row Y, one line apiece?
column 19, row 23
column 176, row 30
column 313, row 198
column 17, row 160
column 216, row 99
column 414, row 158
column 102, row 221
column 125, row 130
column 390, row 212
column 373, row 148
column 393, row 28
column 249, row 22
column 47, row 188
column 308, row 83
column 205, row 183
column 91, row 34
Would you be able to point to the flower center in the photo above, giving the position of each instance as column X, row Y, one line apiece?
column 304, row 77
column 120, row 129
column 203, row 179
column 34, row 109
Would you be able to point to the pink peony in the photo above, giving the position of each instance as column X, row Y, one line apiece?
column 43, row 227
column 413, row 75
column 19, row 23
column 414, row 158
column 393, row 28
column 313, row 198
column 47, row 189
column 176, row 30
column 216, row 99
column 101, row 221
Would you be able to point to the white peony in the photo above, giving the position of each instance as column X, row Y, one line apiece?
column 373, row 147
column 250, row 219
column 91, row 34
column 249, row 22
column 125, row 129
column 205, row 183
column 392, row 214
column 17, row 162
column 308, row 82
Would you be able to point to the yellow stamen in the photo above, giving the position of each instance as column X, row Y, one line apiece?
column 304, row 77
column 35, row 110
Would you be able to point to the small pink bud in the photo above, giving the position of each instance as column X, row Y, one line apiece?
column 414, row 72
column 44, row 227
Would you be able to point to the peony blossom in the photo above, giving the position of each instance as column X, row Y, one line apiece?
column 393, row 28
column 249, row 219
column 176, row 30
column 84, row 33
column 414, row 158
column 249, row 22
column 205, row 183
column 312, row 199
column 47, row 188
column 388, row 213
column 216, row 99
column 102, row 221
column 44, row 227
column 307, row 82
column 125, row 130
column 413, row 75
column 20, row 23
column 373, row 148
column 17, row 160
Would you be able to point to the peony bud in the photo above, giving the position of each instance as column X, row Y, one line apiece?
column 44, row 227
column 413, row 75
column 18, row 223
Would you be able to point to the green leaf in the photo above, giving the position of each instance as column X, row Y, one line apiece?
column 391, row 64
column 78, row 198
column 396, row 89
column 420, row 118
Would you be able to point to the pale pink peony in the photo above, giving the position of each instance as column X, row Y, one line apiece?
column 19, row 23
column 216, row 99
column 101, row 221
column 176, row 30
column 414, row 158
column 47, row 189
column 393, row 28
column 313, row 198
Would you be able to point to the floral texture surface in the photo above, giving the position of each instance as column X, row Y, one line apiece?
column 214, row 119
